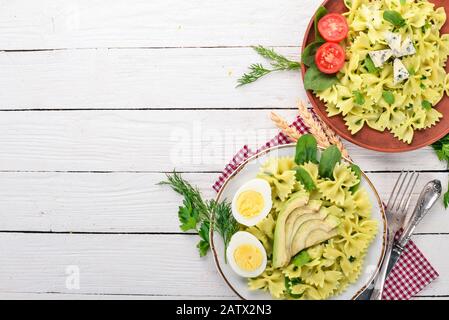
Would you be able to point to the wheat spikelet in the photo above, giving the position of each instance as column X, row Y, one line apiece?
column 335, row 140
column 280, row 122
column 325, row 136
column 314, row 126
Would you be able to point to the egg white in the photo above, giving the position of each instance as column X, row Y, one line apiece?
column 242, row 238
column 258, row 185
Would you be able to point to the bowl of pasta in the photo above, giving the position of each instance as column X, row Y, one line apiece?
column 390, row 94
column 311, row 226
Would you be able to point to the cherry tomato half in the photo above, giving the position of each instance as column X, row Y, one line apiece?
column 333, row 27
column 330, row 58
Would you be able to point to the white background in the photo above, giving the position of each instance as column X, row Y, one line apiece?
column 99, row 98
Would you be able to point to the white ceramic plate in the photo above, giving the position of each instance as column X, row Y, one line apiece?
column 247, row 171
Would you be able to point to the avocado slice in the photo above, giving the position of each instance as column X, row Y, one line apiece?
column 320, row 215
column 319, row 236
column 280, row 255
column 291, row 220
column 308, row 228
column 312, row 207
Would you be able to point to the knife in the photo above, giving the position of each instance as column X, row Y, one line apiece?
column 429, row 195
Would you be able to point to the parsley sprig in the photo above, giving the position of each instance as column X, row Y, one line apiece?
column 441, row 148
column 277, row 61
column 199, row 214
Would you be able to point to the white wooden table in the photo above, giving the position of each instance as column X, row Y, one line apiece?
column 100, row 98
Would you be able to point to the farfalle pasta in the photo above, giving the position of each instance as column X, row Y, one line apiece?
column 359, row 94
column 333, row 264
column 279, row 174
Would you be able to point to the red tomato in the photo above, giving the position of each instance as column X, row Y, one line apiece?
column 333, row 27
column 330, row 58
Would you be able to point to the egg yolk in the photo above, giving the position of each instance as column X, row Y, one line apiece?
column 248, row 257
column 250, row 203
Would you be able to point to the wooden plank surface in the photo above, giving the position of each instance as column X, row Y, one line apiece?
column 121, row 92
column 155, row 140
column 134, row 265
column 163, row 78
column 51, row 24
column 130, row 202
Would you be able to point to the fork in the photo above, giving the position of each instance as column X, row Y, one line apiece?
column 396, row 210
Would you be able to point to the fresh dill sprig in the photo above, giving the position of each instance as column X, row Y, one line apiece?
column 191, row 194
column 224, row 222
column 199, row 214
column 257, row 70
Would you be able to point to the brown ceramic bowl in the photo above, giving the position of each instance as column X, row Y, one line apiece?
column 370, row 138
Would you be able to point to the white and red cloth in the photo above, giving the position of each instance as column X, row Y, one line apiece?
column 410, row 274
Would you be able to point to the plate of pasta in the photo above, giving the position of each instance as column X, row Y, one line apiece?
column 386, row 87
column 310, row 226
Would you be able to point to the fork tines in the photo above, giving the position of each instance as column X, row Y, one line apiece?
column 399, row 200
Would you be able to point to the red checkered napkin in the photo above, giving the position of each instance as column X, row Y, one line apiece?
column 411, row 273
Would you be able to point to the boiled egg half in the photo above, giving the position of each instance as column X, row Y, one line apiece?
column 252, row 202
column 246, row 255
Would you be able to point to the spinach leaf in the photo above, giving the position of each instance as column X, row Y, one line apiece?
column 329, row 159
column 315, row 80
column 388, row 97
column 426, row 105
column 308, row 55
column 321, row 12
column 301, row 258
column 304, row 177
column 306, row 149
column 358, row 98
column 394, row 18
column 369, row 65
column 356, row 169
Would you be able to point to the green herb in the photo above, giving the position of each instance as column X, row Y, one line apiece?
column 288, row 286
column 188, row 216
column 403, row 2
column 329, row 158
column 315, row 80
column 358, row 98
column 446, row 199
column 203, row 246
column 308, row 55
column 412, row 71
column 277, row 61
column 369, row 65
column 301, row 258
column 224, row 221
column 321, row 12
column 358, row 172
column 197, row 214
column 351, row 259
column 304, row 177
column 388, row 97
column 394, row 18
column 426, row 105
column 306, row 149
column 441, row 148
